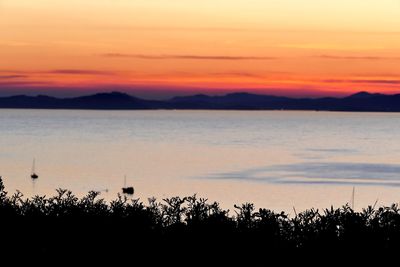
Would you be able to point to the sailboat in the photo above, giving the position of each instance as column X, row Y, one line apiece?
column 127, row 190
column 33, row 174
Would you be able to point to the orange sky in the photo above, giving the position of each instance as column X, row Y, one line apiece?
column 158, row 48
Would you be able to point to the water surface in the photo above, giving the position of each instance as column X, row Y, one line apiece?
column 276, row 159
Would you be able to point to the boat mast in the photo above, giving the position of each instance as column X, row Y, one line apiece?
column 33, row 166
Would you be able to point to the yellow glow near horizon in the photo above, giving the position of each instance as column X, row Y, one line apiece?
column 332, row 46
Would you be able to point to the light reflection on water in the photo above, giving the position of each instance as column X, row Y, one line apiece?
column 277, row 159
column 320, row 173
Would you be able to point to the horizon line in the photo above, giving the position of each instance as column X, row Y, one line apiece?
column 199, row 94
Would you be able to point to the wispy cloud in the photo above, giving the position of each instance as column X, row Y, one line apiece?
column 15, row 76
column 124, row 27
column 185, row 57
column 378, row 81
column 8, row 84
column 79, row 72
column 176, row 29
column 365, row 81
column 11, row 74
column 235, row 74
column 334, row 57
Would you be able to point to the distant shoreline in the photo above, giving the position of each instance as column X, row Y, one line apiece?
column 277, row 110
column 360, row 102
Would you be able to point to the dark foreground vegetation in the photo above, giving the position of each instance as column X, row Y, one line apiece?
column 66, row 226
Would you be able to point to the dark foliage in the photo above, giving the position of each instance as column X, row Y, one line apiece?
column 65, row 225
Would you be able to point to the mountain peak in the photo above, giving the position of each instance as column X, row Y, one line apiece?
column 363, row 94
column 110, row 96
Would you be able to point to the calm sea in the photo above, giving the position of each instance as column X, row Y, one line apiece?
column 275, row 159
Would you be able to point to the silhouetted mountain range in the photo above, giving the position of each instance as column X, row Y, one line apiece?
column 362, row 101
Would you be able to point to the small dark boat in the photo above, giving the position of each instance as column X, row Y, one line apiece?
column 33, row 174
column 127, row 190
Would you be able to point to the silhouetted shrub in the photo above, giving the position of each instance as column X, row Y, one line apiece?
column 183, row 225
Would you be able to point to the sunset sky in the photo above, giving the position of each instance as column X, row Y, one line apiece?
column 160, row 48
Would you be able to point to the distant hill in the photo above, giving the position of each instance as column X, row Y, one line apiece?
column 362, row 101
column 113, row 100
